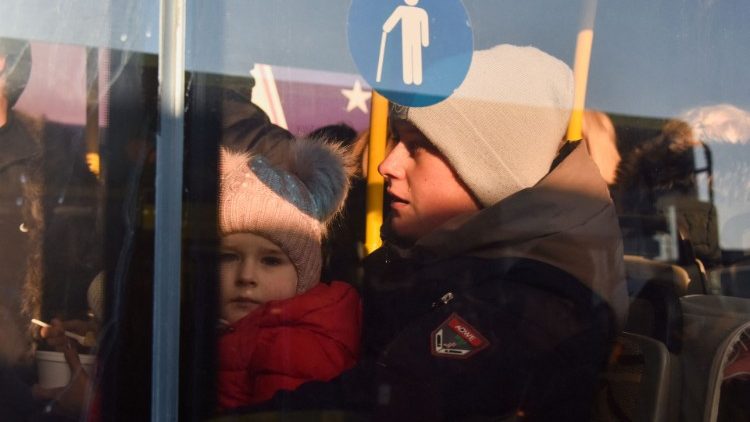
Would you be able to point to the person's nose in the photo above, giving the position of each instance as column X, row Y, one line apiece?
column 391, row 167
column 247, row 275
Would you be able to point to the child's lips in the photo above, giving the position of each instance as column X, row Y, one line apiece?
column 244, row 302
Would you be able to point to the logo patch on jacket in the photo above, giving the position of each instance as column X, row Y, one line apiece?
column 456, row 338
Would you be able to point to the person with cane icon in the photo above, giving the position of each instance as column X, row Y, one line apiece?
column 415, row 34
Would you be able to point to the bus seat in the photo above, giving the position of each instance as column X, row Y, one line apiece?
column 655, row 288
column 709, row 322
column 636, row 384
column 733, row 280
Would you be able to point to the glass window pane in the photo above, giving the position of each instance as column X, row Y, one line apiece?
column 78, row 148
column 666, row 110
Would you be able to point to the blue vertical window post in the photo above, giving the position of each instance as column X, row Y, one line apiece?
column 168, row 238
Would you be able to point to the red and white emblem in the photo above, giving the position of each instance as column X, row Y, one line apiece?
column 456, row 338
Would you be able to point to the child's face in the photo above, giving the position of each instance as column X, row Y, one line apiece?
column 253, row 271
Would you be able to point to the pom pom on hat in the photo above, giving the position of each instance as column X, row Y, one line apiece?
column 324, row 170
column 290, row 206
column 502, row 127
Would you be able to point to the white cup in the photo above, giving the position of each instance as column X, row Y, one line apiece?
column 53, row 369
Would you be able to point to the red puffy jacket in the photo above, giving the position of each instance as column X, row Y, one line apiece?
column 310, row 337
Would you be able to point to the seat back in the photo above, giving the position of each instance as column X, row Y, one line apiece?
column 636, row 384
column 655, row 288
column 733, row 280
column 710, row 322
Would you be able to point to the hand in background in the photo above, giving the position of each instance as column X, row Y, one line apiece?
column 71, row 399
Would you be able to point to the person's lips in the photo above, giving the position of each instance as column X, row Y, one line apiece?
column 396, row 201
column 243, row 302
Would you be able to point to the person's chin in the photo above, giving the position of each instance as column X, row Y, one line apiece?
column 240, row 310
column 402, row 228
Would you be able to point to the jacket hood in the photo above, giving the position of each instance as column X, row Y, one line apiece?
column 566, row 220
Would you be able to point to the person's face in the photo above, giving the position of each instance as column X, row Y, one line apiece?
column 423, row 189
column 253, row 271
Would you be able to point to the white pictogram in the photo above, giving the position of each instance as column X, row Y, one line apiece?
column 447, row 349
column 415, row 34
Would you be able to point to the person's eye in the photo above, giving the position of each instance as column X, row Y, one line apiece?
column 226, row 257
column 414, row 147
column 271, row 261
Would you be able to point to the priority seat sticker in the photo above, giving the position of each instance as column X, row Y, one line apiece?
column 455, row 338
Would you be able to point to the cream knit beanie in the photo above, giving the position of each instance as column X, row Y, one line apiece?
column 502, row 127
column 291, row 206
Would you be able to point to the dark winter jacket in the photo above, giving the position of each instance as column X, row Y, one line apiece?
column 506, row 311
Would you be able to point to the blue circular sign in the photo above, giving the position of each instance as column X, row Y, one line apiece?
column 413, row 52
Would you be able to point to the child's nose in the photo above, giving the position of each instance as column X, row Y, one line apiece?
column 247, row 276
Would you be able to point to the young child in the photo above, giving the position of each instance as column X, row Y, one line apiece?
column 280, row 326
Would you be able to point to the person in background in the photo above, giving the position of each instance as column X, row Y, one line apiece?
column 343, row 249
column 281, row 327
column 661, row 174
column 246, row 127
column 47, row 208
column 20, row 205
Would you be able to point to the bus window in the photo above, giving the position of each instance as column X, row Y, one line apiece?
column 115, row 196
column 79, row 95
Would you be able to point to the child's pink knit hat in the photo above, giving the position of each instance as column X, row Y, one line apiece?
column 290, row 206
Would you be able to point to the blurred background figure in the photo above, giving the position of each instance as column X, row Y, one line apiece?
column 246, row 127
column 19, row 203
column 20, row 227
column 48, row 209
column 343, row 248
column 658, row 179
column 698, row 164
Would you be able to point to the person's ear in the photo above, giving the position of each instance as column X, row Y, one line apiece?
column 2, row 64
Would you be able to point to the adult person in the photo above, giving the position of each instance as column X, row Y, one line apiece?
column 18, row 225
column 47, row 209
column 500, row 285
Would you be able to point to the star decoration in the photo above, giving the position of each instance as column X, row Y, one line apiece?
column 357, row 97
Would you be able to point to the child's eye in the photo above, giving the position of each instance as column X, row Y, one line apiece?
column 225, row 257
column 271, row 261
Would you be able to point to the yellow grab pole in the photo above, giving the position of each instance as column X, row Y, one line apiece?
column 581, row 70
column 375, row 155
